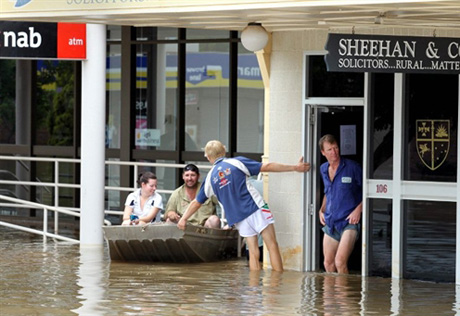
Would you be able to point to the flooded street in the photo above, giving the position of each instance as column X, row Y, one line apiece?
column 57, row 278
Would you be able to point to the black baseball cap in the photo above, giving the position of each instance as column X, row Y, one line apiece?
column 191, row 167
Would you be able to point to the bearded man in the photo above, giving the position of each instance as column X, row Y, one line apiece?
column 181, row 197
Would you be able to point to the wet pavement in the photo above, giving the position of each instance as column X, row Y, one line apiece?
column 57, row 278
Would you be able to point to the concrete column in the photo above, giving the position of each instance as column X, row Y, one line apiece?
column 264, row 60
column 93, row 137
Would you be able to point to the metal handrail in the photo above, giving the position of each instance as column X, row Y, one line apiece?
column 14, row 177
column 56, row 185
column 45, row 208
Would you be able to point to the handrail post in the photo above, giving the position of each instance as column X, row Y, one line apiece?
column 45, row 223
column 136, row 173
column 56, row 196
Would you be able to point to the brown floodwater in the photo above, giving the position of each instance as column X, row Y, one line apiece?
column 57, row 278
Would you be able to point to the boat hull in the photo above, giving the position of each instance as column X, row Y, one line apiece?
column 166, row 243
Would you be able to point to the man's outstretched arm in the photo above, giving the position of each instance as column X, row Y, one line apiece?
column 301, row 166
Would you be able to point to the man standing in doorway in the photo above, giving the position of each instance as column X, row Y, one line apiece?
column 341, row 209
column 242, row 204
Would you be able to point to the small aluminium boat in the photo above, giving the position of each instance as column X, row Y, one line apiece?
column 160, row 242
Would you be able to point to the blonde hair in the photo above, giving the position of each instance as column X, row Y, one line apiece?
column 214, row 149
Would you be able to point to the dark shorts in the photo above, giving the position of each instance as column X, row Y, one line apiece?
column 337, row 235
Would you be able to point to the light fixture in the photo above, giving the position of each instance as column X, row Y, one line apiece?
column 254, row 37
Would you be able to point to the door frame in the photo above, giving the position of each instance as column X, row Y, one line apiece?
column 310, row 258
column 312, row 108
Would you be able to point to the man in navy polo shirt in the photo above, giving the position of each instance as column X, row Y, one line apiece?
column 242, row 204
column 341, row 209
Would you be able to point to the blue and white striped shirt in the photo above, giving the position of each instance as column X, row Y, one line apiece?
column 229, row 181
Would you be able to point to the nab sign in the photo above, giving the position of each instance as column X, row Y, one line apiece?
column 32, row 40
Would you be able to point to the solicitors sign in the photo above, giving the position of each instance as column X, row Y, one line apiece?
column 404, row 54
column 33, row 40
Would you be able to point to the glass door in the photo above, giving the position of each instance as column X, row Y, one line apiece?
column 346, row 124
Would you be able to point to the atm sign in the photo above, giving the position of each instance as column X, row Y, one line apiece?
column 71, row 41
column 32, row 40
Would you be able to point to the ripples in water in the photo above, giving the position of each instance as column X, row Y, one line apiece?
column 57, row 278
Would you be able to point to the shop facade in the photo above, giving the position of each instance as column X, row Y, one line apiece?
column 410, row 222
column 411, row 199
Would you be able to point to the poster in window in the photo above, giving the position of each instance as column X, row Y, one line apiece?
column 347, row 140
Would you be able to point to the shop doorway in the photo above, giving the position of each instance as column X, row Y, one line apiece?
column 346, row 124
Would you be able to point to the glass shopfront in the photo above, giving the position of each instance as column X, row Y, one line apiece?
column 431, row 127
column 168, row 91
column 410, row 160
column 7, row 101
column 430, row 160
column 429, row 240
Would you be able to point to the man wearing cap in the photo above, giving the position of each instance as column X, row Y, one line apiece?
column 243, row 205
column 183, row 195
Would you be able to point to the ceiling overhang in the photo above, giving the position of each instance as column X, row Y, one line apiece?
column 275, row 15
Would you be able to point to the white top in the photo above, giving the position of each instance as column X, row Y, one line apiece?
column 134, row 201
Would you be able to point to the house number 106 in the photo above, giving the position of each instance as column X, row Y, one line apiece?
column 382, row 188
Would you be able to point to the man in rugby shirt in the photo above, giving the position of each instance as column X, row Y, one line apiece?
column 242, row 204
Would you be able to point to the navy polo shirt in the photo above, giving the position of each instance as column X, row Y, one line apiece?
column 343, row 194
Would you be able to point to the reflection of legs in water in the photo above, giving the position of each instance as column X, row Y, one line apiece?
column 269, row 237
column 275, row 278
column 335, row 295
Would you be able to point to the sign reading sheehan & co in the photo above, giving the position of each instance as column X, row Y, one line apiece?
column 380, row 53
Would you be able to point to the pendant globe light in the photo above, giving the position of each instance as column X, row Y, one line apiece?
column 254, row 37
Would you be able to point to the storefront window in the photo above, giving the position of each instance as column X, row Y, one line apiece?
column 250, row 129
column 113, row 33
column 113, row 88
column 321, row 83
column 380, row 215
column 206, row 34
column 205, row 103
column 156, row 96
column 46, row 173
column 13, row 171
column 112, row 198
column 154, row 33
column 382, row 117
column 431, row 127
column 430, row 240
column 7, row 101
column 67, row 196
column 206, row 95
column 54, row 114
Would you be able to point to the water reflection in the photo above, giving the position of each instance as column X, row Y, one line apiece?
column 58, row 278
column 338, row 295
column 91, row 278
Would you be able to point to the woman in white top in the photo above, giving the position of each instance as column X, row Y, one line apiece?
column 144, row 202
